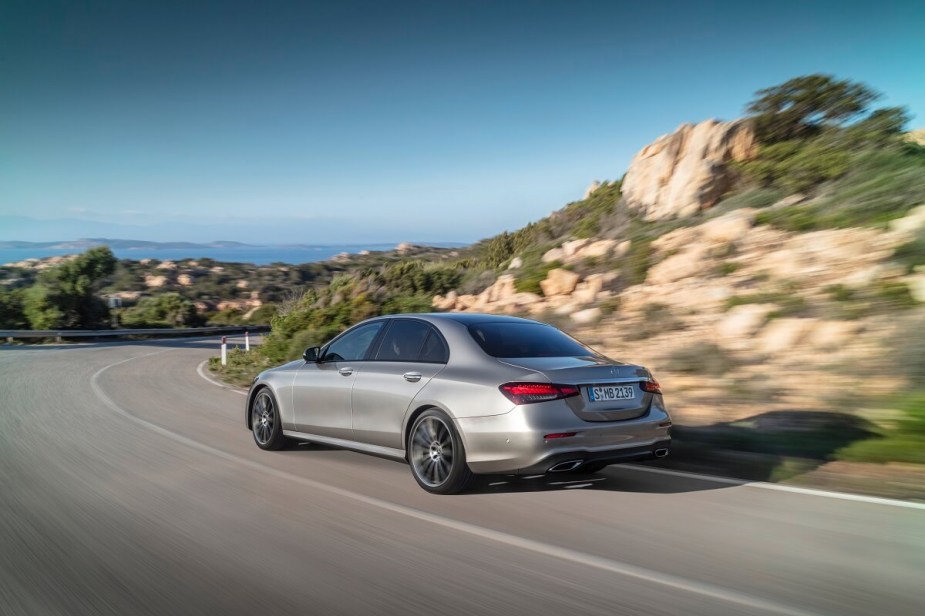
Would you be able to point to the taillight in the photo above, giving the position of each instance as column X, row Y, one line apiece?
column 650, row 386
column 528, row 393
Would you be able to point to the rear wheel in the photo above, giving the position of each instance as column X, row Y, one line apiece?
column 266, row 424
column 436, row 455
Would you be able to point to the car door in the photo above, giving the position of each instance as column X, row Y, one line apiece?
column 321, row 391
column 411, row 352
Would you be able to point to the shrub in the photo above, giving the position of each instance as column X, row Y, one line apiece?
column 165, row 310
column 531, row 274
column 11, row 311
column 912, row 253
column 902, row 442
column 790, row 304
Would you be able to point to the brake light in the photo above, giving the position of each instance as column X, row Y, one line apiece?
column 528, row 393
column 651, row 386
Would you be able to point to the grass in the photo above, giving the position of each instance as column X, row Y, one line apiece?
column 882, row 185
column 881, row 297
column 902, row 442
column 789, row 303
column 751, row 197
column 242, row 367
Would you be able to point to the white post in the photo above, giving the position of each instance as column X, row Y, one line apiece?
column 224, row 350
column 247, row 341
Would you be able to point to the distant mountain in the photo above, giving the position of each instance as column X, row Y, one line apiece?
column 90, row 242
column 122, row 244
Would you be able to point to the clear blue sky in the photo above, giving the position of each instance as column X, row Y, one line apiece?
column 274, row 122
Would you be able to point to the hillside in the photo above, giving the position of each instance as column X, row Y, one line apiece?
column 768, row 270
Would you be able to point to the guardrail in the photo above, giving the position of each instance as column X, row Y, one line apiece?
column 61, row 334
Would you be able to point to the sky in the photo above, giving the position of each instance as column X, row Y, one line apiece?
column 344, row 122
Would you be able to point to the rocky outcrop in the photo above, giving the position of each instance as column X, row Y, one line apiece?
column 687, row 171
column 591, row 188
column 578, row 250
column 559, row 282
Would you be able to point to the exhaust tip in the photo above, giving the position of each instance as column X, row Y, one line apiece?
column 661, row 453
column 562, row 467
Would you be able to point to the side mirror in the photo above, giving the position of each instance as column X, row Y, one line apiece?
column 311, row 354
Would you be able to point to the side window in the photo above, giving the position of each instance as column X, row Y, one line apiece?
column 354, row 345
column 403, row 341
column 435, row 350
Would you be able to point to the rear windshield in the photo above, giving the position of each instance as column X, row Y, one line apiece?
column 526, row 340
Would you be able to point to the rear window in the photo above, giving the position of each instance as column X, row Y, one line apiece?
column 526, row 340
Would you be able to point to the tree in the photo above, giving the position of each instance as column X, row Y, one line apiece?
column 166, row 310
column 65, row 296
column 803, row 106
column 11, row 310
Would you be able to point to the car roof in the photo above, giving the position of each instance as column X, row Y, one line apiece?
column 466, row 318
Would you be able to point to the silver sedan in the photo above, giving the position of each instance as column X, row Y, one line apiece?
column 456, row 395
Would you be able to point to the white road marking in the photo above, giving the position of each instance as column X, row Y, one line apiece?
column 537, row 547
column 860, row 498
column 201, row 371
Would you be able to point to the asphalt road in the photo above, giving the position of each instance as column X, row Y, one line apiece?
column 129, row 485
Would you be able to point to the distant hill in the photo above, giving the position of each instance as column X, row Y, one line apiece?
column 90, row 242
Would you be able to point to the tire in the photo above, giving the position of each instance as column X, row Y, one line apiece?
column 266, row 425
column 436, row 454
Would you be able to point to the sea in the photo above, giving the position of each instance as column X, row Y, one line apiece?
column 258, row 255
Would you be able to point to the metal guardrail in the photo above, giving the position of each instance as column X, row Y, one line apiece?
column 59, row 334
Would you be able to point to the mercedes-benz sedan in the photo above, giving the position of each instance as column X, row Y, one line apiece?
column 461, row 394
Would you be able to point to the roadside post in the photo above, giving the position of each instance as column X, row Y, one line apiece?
column 247, row 341
column 224, row 350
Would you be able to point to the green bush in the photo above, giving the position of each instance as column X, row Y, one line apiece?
column 11, row 310
column 165, row 310
column 798, row 165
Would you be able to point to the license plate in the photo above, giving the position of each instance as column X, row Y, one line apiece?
column 607, row 393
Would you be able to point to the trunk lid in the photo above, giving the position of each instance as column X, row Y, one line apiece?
column 609, row 390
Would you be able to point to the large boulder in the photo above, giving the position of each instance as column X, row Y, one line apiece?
column 687, row 171
column 559, row 282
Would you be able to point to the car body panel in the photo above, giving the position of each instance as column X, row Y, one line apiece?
column 381, row 397
column 320, row 400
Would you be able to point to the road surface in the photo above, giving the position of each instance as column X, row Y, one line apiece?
column 129, row 485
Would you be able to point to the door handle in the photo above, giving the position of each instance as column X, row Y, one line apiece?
column 346, row 371
column 412, row 377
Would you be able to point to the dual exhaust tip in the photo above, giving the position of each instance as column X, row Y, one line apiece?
column 564, row 467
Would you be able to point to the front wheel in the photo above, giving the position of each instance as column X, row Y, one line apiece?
column 266, row 423
column 437, row 456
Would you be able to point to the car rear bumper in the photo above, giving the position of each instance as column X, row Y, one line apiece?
column 574, row 460
column 517, row 443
